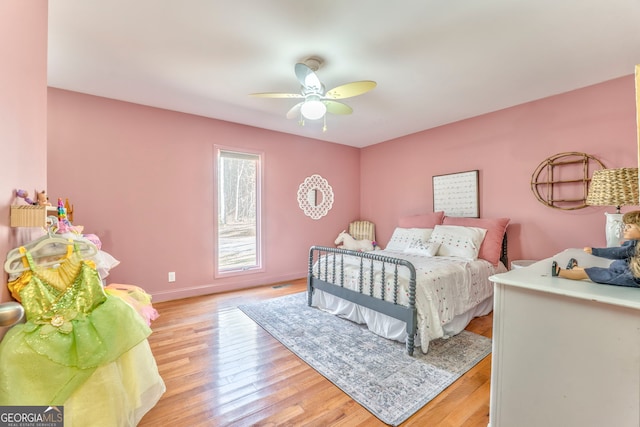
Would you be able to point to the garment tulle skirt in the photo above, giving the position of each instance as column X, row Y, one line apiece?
column 118, row 394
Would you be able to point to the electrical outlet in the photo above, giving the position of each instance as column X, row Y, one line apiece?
column 172, row 276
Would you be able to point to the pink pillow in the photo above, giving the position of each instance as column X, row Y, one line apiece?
column 421, row 221
column 491, row 247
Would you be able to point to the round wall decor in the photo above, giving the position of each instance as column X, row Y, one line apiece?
column 315, row 197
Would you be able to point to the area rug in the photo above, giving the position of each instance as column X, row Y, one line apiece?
column 375, row 372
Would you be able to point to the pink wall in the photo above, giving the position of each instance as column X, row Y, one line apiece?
column 142, row 180
column 506, row 147
column 23, row 110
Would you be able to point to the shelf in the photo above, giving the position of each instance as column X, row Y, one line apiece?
column 30, row 215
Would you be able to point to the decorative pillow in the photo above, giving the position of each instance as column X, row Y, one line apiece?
column 421, row 221
column 491, row 248
column 418, row 247
column 403, row 237
column 458, row 241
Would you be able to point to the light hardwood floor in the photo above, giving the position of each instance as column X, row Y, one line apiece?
column 221, row 369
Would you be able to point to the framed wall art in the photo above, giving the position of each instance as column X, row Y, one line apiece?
column 457, row 194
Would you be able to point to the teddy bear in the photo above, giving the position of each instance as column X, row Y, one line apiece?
column 41, row 198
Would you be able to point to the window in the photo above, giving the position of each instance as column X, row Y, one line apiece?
column 238, row 213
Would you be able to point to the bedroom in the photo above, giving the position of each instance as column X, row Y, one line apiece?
column 598, row 120
column 172, row 201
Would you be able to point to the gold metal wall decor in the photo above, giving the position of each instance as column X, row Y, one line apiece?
column 562, row 180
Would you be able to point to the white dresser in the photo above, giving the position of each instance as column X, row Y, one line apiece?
column 565, row 353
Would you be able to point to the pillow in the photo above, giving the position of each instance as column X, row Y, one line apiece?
column 421, row 221
column 403, row 237
column 458, row 241
column 418, row 247
column 491, row 248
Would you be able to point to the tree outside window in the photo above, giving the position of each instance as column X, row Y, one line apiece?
column 238, row 222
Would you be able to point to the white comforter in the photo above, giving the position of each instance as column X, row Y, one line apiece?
column 446, row 287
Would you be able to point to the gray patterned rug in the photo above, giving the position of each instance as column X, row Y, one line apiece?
column 376, row 372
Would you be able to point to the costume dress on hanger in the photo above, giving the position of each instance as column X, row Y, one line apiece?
column 79, row 347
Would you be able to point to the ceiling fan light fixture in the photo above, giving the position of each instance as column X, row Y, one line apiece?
column 313, row 110
column 311, row 81
column 318, row 102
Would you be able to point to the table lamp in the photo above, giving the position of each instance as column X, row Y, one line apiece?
column 614, row 187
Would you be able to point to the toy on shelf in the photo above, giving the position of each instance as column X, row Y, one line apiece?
column 33, row 214
column 64, row 225
column 22, row 194
column 42, row 199
column 69, row 207
column 36, row 213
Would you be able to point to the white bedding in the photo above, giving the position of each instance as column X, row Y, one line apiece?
column 450, row 291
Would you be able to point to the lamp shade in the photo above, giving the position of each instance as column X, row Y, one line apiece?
column 313, row 109
column 614, row 187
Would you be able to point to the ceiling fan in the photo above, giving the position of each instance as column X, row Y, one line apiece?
column 316, row 101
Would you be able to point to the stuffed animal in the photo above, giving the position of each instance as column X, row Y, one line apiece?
column 25, row 195
column 345, row 241
column 43, row 200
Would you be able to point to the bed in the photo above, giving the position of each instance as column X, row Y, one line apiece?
column 429, row 282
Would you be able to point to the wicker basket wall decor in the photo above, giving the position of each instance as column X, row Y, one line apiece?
column 562, row 180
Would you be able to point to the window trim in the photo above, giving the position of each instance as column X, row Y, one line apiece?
column 259, row 268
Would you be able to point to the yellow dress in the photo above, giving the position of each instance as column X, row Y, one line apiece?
column 80, row 348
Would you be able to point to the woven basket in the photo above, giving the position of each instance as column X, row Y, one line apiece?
column 28, row 216
column 614, row 187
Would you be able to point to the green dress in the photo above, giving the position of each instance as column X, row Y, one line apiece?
column 72, row 329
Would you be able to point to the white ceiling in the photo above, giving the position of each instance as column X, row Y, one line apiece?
column 435, row 61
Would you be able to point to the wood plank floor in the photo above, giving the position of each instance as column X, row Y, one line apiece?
column 221, row 369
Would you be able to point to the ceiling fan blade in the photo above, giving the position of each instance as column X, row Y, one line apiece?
column 335, row 107
column 294, row 112
column 350, row 89
column 307, row 78
column 276, row 95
